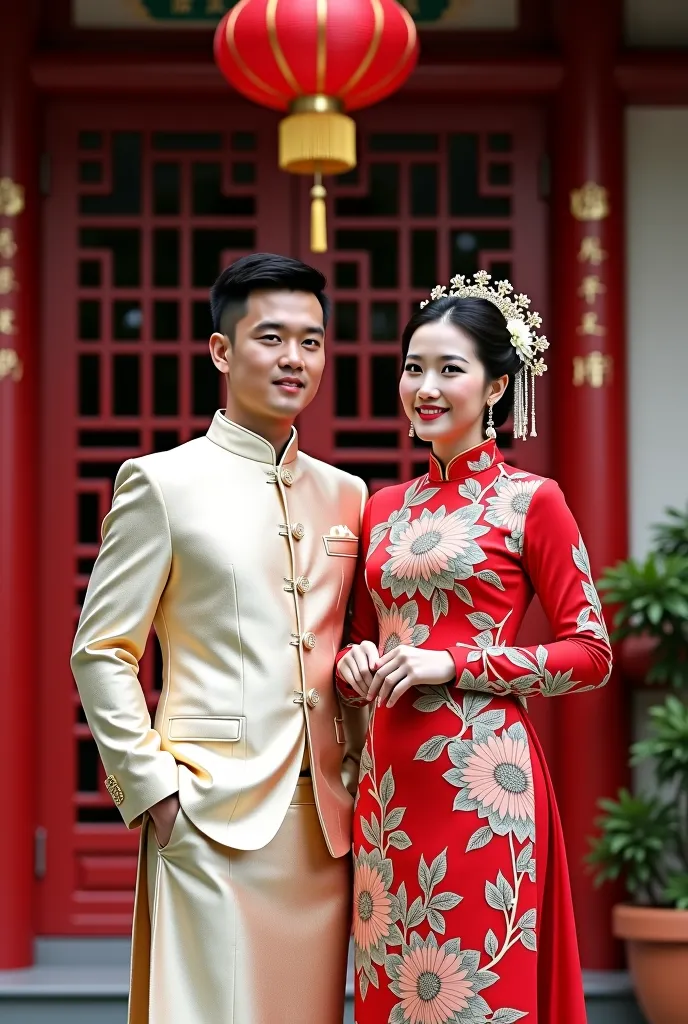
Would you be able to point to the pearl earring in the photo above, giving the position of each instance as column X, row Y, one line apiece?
column 490, row 432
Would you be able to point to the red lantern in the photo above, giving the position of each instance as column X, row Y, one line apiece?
column 316, row 59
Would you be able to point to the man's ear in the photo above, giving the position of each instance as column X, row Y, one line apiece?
column 218, row 345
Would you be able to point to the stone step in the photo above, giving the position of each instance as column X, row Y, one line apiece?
column 83, row 981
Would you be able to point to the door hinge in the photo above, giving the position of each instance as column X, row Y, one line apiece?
column 545, row 176
column 40, row 852
column 45, row 174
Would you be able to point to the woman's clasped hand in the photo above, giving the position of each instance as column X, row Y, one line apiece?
column 387, row 677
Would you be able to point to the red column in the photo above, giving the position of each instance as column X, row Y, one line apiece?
column 19, row 300
column 589, row 422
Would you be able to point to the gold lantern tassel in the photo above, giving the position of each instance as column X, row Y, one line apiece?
column 318, row 216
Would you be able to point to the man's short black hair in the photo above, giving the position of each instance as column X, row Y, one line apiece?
column 262, row 271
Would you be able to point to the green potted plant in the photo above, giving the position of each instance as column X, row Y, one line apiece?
column 643, row 839
column 651, row 599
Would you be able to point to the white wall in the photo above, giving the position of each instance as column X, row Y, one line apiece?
column 657, row 203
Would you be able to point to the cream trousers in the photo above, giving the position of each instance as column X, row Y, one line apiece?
column 242, row 937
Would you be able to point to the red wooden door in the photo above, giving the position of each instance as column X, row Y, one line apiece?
column 146, row 204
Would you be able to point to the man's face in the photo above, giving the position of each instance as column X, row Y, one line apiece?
column 275, row 364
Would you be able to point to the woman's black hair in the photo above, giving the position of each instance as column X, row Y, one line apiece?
column 487, row 328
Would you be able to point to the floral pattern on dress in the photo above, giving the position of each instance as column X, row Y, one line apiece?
column 509, row 507
column 398, row 625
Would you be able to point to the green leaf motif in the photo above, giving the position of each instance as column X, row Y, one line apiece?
column 445, row 901
column 528, row 919
column 371, row 833
column 432, row 700
column 416, row 914
column 481, row 620
column 440, row 605
column 387, row 787
column 507, row 1016
column 524, row 856
column 463, row 594
column 528, row 939
column 480, row 839
column 487, row 576
column 393, row 818
column 436, row 921
column 432, row 748
column 494, row 897
column 491, row 944
column 399, row 840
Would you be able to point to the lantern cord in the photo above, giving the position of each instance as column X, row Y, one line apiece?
column 318, row 215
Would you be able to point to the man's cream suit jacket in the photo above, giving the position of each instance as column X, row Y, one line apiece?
column 243, row 565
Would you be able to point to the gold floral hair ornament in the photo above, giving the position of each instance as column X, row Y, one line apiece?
column 521, row 324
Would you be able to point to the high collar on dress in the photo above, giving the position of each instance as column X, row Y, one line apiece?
column 474, row 460
column 243, row 442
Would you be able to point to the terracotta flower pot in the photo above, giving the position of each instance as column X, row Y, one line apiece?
column 635, row 655
column 657, row 946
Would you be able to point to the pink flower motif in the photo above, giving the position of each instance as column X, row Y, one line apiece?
column 372, row 905
column 510, row 504
column 427, row 546
column 498, row 774
column 395, row 629
column 433, row 985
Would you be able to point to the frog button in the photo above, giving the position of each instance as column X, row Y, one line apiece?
column 309, row 641
column 312, row 698
column 287, row 477
column 303, row 584
column 298, row 531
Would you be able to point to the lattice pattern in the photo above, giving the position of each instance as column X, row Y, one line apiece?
column 420, row 207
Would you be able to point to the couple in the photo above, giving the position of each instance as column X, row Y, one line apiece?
column 241, row 551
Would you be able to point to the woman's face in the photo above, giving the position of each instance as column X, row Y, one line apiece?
column 443, row 386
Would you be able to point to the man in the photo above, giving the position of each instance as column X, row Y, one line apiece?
column 240, row 551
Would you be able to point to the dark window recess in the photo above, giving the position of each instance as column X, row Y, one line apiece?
column 500, row 270
column 244, row 142
column 209, row 199
column 383, row 195
column 88, row 763
column 243, row 173
column 366, row 439
column 185, row 141
column 80, row 596
column 125, row 385
column 499, row 174
column 125, row 197
column 206, row 386
column 124, row 244
column 385, row 380
column 201, row 320
column 419, row 468
column 89, row 385
column 80, row 715
column 88, row 517
column 99, row 471
column 166, row 321
column 166, row 258
column 90, row 140
column 384, row 321
column 109, row 439
column 208, row 245
column 89, row 274
column 165, row 385
column 423, row 259
column 403, row 142
column 127, row 320
column 424, row 190
column 464, row 191
column 84, row 566
column 382, row 247
column 499, row 142
column 350, row 178
column 90, row 172
column 163, row 440
column 346, row 385
column 108, row 815
column 166, row 189
column 346, row 321
column 370, row 471
column 346, row 275
column 505, row 439
column 89, row 320
column 466, row 247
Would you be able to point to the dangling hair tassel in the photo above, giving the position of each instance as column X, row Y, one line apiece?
column 533, row 431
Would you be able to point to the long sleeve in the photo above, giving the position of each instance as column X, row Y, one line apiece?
column 122, row 599
column 364, row 622
column 556, row 561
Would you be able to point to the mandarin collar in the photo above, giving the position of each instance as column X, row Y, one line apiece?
column 240, row 441
column 475, row 460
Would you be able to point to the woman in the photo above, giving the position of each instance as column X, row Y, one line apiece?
column 462, row 903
